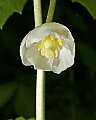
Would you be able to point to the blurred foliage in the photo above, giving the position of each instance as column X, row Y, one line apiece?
column 6, row 91
column 87, row 55
column 22, row 118
column 90, row 5
column 70, row 95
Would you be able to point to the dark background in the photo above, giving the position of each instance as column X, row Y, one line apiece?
column 70, row 95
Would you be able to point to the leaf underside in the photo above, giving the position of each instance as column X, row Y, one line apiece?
column 8, row 7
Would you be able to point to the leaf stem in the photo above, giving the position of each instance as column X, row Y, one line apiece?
column 40, row 83
column 51, row 11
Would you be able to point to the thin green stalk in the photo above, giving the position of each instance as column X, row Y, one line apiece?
column 37, row 12
column 40, row 95
column 40, row 83
column 51, row 11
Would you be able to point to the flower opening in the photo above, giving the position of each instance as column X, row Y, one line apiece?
column 49, row 46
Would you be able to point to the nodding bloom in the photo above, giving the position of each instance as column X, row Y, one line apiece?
column 49, row 47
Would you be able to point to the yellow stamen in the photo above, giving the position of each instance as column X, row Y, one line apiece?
column 49, row 46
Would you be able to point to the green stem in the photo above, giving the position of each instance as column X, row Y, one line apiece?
column 37, row 12
column 40, row 83
column 40, row 95
column 51, row 11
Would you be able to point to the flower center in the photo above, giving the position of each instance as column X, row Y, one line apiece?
column 49, row 46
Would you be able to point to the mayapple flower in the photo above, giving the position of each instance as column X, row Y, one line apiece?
column 49, row 47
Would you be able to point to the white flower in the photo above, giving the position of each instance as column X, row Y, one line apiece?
column 49, row 47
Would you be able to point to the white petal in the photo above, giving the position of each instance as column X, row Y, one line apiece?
column 35, row 58
column 55, row 29
column 23, row 50
column 68, row 44
column 65, row 60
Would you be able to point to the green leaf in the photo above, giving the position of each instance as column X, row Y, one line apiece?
column 88, row 55
column 6, row 92
column 90, row 5
column 8, row 7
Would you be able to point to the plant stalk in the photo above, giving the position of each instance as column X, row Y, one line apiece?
column 51, row 11
column 40, row 83
column 40, row 95
column 37, row 12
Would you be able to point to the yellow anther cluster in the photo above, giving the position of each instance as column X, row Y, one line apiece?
column 49, row 46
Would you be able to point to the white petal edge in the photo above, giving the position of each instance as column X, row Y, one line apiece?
column 66, row 60
column 23, row 50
